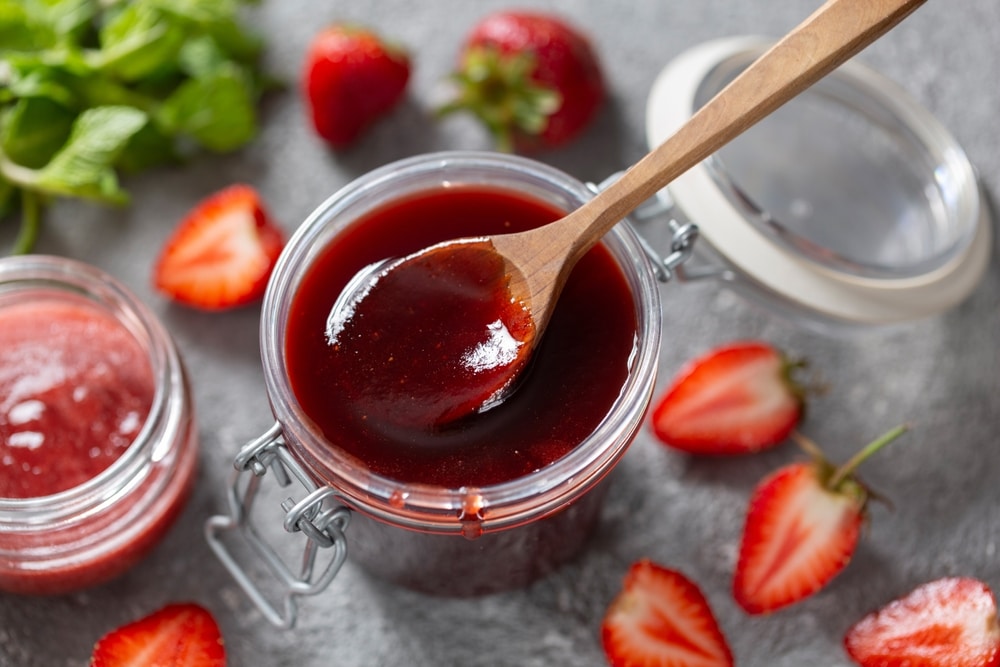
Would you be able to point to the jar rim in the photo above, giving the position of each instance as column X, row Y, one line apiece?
column 97, row 287
column 502, row 505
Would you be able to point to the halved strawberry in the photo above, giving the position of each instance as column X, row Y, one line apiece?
column 221, row 255
column 801, row 529
column 179, row 635
column 951, row 622
column 736, row 398
column 661, row 618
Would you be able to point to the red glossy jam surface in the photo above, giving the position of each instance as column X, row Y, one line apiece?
column 75, row 389
column 575, row 375
column 431, row 339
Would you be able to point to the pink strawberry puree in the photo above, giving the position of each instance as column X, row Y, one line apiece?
column 75, row 389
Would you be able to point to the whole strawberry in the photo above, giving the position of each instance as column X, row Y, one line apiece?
column 531, row 78
column 801, row 529
column 351, row 79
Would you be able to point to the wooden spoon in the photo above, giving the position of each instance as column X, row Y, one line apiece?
column 537, row 262
column 540, row 260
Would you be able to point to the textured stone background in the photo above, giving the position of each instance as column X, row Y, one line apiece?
column 941, row 374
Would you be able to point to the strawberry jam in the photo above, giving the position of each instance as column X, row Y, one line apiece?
column 75, row 389
column 575, row 375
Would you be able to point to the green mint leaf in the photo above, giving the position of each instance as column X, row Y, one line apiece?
column 140, row 42
column 234, row 40
column 34, row 129
column 54, row 22
column 28, row 75
column 69, row 18
column 218, row 19
column 217, row 110
column 84, row 167
column 21, row 31
column 198, row 12
column 100, row 91
column 148, row 147
column 90, row 87
column 200, row 57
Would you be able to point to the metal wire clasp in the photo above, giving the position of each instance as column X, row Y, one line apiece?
column 682, row 242
column 319, row 516
column 681, row 248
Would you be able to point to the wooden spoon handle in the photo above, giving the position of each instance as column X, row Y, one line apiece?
column 836, row 31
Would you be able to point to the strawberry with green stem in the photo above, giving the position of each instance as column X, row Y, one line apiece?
column 802, row 528
column 531, row 78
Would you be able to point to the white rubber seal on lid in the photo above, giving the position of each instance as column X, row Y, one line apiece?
column 854, row 270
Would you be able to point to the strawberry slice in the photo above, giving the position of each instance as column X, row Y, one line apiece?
column 221, row 255
column 801, row 529
column 661, row 618
column 735, row 399
column 179, row 635
column 951, row 622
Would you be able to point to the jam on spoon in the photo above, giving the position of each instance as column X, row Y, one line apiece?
column 435, row 337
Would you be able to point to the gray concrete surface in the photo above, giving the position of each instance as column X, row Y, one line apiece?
column 941, row 374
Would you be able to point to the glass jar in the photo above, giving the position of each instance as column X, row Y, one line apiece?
column 452, row 541
column 98, row 528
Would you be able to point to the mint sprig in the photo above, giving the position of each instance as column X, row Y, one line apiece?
column 93, row 88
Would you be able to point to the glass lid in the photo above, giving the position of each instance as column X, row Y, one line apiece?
column 850, row 200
